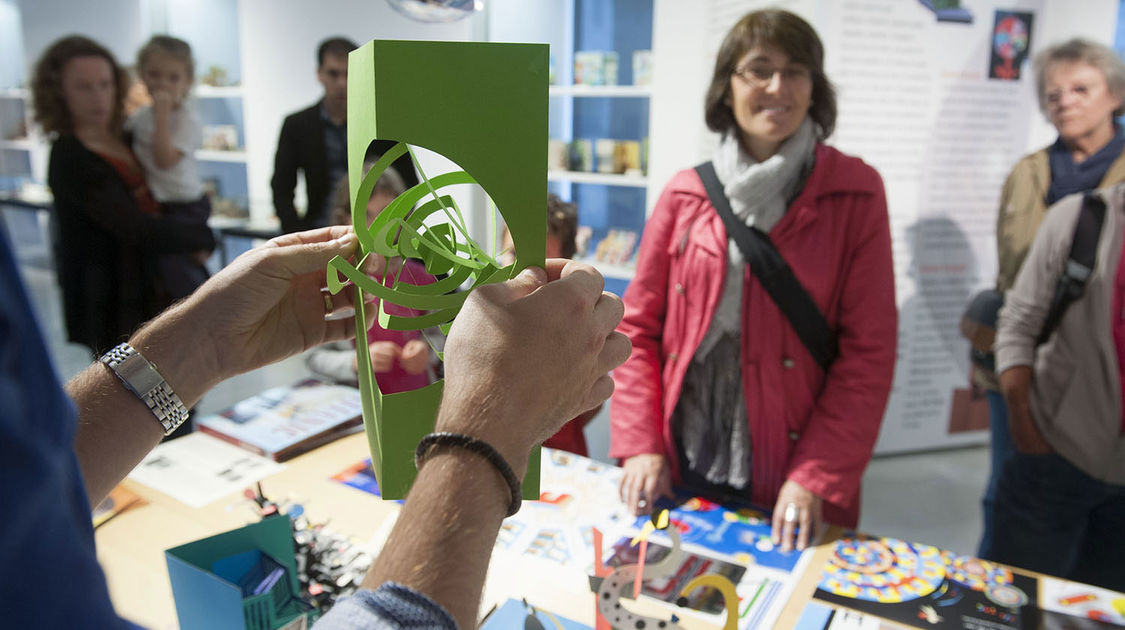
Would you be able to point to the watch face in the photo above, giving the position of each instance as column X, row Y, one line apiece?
column 140, row 377
column 139, row 374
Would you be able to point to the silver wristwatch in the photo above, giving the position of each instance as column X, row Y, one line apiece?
column 141, row 378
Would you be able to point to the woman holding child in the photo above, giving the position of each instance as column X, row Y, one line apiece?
column 110, row 229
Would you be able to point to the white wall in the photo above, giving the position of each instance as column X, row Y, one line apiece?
column 212, row 28
column 116, row 24
column 682, row 58
column 12, row 71
column 681, row 71
column 279, row 40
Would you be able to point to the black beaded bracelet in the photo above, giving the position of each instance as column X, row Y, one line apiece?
column 480, row 447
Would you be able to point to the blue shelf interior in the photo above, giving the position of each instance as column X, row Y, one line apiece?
column 15, row 169
column 623, row 26
column 222, row 111
column 211, row 27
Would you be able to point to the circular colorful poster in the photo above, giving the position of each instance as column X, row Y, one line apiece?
column 975, row 573
column 883, row 570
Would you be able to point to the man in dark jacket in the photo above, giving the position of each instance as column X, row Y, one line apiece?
column 315, row 141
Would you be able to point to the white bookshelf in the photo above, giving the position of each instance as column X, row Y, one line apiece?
column 601, row 91
column 211, row 91
column 607, row 179
column 235, row 157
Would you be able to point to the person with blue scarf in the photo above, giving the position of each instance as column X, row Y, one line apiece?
column 1081, row 89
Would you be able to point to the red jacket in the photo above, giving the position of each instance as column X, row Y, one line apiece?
column 815, row 428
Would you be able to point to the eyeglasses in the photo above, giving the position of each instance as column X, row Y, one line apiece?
column 760, row 75
column 1054, row 97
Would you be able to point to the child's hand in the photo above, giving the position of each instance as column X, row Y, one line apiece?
column 163, row 102
column 415, row 356
column 383, row 355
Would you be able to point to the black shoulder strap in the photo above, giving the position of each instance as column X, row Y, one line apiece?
column 775, row 275
column 1080, row 264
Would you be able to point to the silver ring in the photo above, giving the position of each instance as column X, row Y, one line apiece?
column 791, row 512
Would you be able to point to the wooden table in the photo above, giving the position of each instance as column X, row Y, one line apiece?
column 131, row 545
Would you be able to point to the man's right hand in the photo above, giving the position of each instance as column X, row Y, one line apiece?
column 525, row 356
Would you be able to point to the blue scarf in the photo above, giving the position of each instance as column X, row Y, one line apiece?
column 1068, row 178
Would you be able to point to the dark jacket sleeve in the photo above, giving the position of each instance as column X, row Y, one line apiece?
column 284, row 181
column 81, row 181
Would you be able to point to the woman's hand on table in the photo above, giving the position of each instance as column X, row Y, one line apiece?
column 647, row 477
column 797, row 517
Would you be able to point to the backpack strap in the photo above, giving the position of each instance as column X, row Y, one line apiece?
column 1079, row 266
column 774, row 274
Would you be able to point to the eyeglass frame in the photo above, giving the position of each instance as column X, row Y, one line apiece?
column 1083, row 91
column 789, row 73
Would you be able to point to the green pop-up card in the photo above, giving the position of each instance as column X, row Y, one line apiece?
column 484, row 107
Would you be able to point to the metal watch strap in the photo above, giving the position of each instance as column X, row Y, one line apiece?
column 142, row 378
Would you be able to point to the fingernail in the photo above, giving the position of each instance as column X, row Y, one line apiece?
column 535, row 274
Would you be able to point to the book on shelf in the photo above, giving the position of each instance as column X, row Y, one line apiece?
column 283, row 422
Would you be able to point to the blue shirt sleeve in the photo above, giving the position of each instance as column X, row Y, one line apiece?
column 389, row 606
column 50, row 576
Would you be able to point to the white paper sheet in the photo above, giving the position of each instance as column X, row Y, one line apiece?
column 198, row 469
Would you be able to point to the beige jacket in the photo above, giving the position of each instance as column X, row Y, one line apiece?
column 1075, row 392
column 1023, row 204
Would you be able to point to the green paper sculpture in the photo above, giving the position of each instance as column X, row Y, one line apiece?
column 484, row 107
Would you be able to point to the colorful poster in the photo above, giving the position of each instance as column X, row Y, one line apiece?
column 360, row 476
column 740, row 532
column 1011, row 40
column 579, row 494
column 667, row 589
column 924, row 587
column 1060, row 597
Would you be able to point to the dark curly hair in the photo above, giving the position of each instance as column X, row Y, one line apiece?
column 791, row 35
column 51, row 111
column 562, row 223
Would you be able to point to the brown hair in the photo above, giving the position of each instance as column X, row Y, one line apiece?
column 791, row 35
column 335, row 46
column 1090, row 53
column 389, row 183
column 51, row 111
column 174, row 47
column 562, row 223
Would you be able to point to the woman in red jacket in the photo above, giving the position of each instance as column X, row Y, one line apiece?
column 720, row 394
